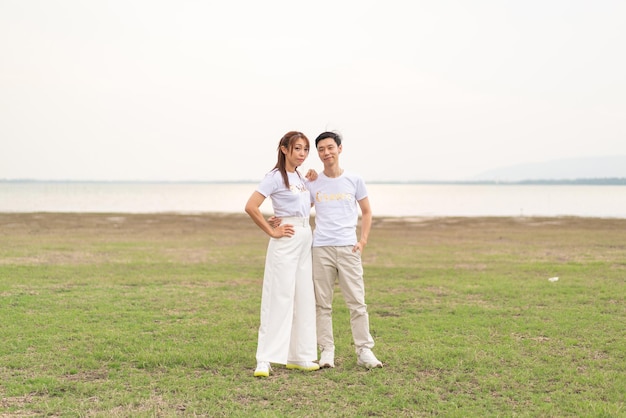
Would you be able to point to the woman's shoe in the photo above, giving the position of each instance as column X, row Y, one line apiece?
column 308, row 366
column 263, row 369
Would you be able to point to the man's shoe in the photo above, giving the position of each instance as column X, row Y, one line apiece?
column 308, row 366
column 263, row 369
column 367, row 359
column 327, row 358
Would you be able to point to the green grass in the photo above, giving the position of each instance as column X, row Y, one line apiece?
column 157, row 315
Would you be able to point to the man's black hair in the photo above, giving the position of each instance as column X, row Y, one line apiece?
column 325, row 135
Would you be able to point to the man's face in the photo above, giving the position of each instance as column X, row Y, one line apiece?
column 328, row 151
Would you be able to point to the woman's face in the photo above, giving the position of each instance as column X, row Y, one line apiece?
column 296, row 156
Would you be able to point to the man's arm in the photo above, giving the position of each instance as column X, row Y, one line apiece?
column 366, row 224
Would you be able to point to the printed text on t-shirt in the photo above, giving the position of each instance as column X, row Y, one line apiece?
column 297, row 188
column 324, row 197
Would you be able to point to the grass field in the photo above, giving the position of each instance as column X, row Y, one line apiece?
column 156, row 315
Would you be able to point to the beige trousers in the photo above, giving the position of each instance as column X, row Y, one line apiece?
column 340, row 264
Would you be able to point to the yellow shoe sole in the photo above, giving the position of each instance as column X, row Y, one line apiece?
column 261, row 374
column 306, row 369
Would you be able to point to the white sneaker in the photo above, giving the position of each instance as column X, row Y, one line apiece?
column 367, row 359
column 263, row 369
column 327, row 358
column 308, row 366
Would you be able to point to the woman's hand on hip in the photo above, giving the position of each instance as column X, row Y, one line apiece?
column 281, row 231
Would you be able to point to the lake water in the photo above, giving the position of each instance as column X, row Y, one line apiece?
column 410, row 200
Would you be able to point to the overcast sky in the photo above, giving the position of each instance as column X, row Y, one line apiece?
column 203, row 90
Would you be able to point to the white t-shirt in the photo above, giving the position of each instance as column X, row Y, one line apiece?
column 336, row 208
column 294, row 201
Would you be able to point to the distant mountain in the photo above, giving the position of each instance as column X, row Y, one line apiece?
column 565, row 169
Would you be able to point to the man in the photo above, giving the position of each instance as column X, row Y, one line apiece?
column 337, row 252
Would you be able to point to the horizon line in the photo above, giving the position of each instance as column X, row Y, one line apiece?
column 581, row 181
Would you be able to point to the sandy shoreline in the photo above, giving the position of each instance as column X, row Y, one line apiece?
column 66, row 223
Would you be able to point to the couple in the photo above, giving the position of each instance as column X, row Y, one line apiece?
column 298, row 282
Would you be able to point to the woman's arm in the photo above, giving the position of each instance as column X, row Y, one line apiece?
column 253, row 210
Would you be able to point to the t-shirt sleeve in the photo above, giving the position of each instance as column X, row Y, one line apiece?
column 267, row 185
column 361, row 189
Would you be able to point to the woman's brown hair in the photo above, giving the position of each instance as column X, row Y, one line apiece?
column 287, row 141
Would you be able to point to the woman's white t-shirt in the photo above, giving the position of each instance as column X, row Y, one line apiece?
column 294, row 201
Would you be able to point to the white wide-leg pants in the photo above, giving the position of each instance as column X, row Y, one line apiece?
column 287, row 330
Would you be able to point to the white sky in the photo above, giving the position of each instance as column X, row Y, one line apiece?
column 203, row 90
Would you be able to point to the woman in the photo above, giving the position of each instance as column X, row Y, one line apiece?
column 287, row 331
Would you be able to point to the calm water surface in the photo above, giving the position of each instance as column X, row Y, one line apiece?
column 416, row 200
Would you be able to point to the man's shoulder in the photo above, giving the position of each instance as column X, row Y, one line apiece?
column 346, row 175
column 353, row 178
column 352, row 175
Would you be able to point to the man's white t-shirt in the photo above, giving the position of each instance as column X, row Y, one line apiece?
column 294, row 201
column 336, row 208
